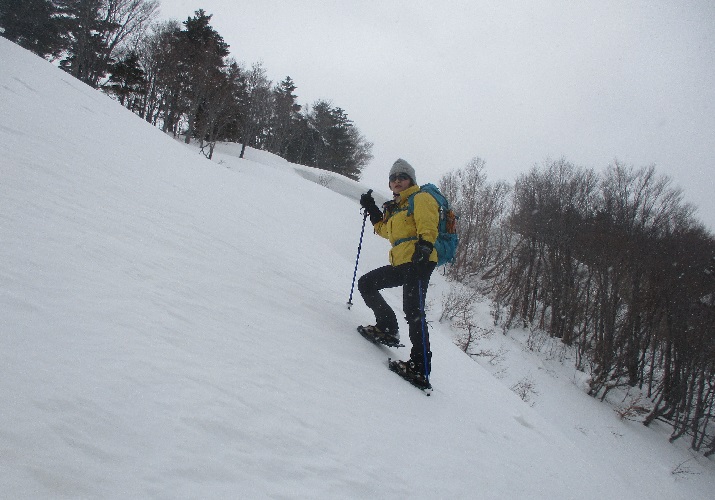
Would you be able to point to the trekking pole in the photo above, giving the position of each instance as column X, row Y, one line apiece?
column 357, row 259
column 424, row 336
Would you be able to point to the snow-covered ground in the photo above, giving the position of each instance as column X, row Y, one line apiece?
column 174, row 327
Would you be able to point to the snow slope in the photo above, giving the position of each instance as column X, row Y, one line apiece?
column 173, row 327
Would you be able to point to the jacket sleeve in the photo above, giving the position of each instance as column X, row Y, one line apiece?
column 381, row 229
column 426, row 216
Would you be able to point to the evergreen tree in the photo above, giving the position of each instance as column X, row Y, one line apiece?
column 342, row 148
column 96, row 31
column 337, row 144
column 84, row 26
column 127, row 81
column 286, row 113
column 201, row 53
column 32, row 24
column 301, row 147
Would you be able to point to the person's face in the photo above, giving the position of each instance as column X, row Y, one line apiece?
column 399, row 183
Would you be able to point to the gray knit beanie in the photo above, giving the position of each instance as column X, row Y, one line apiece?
column 402, row 167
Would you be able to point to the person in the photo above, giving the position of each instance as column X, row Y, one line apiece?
column 412, row 261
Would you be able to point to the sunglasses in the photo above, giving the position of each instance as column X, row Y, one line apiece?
column 399, row 177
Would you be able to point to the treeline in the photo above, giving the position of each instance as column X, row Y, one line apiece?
column 613, row 264
column 180, row 77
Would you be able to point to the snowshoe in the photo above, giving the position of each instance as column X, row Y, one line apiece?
column 411, row 372
column 378, row 336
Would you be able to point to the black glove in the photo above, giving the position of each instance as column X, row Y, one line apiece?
column 423, row 249
column 368, row 203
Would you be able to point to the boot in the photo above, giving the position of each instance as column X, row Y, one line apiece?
column 415, row 372
column 382, row 336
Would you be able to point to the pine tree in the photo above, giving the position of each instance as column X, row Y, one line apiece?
column 83, row 26
column 97, row 29
column 32, row 24
column 337, row 144
column 126, row 80
column 286, row 113
column 201, row 53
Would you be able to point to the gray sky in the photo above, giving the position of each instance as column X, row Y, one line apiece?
column 511, row 82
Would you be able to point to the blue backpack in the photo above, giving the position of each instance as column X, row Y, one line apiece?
column 447, row 237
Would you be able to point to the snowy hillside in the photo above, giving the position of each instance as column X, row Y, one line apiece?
column 173, row 327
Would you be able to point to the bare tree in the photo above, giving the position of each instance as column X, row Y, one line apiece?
column 127, row 21
column 221, row 109
column 257, row 107
column 481, row 208
column 97, row 29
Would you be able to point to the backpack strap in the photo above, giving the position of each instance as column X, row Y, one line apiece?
column 411, row 203
column 427, row 188
column 430, row 189
column 403, row 240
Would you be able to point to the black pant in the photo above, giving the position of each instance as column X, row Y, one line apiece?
column 411, row 277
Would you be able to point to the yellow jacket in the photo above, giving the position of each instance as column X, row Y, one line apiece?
column 396, row 226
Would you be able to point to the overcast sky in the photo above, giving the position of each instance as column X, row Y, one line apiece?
column 511, row 82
